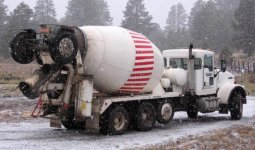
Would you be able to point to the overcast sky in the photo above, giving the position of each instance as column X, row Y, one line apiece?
column 158, row 8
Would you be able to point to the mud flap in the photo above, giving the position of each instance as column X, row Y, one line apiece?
column 92, row 125
column 55, row 123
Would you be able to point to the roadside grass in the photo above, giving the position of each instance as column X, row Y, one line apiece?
column 9, row 78
column 248, row 80
column 238, row 137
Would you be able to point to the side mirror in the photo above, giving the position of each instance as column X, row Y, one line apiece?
column 223, row 67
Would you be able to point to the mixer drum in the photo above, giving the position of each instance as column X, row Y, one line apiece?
column 121, row 60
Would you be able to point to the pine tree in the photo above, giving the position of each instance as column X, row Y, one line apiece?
column 196, row 23
column 3, row 14
column 226, row 9
column 45, row 12
column 176, row 33
column 207, row 26
column 245, row 26
column 181, row 17
column 3, row 22
column 157, row 36
column 87, row 12
column 137, row 18
column 172, row 19
column 21, row 17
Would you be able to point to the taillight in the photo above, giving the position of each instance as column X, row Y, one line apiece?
column 44, row 30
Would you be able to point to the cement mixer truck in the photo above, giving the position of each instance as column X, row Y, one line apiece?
column 110, row 79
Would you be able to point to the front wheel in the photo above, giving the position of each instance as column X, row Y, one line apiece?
column 165, row 112
column 192, row 111
column 236, row 106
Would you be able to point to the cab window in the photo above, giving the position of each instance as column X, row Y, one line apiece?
column 197, row 64
column 183, row 63
column 178, row 63
column 208, row 62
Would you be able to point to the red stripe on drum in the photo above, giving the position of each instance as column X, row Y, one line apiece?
column 144, row 52
column 141, row 74
column 143, row 57
column 139, row 79
column 140, row 42
column 144, row 63
column 135, row 84
column 143, row 46
column 139, row 37
column 142, row 69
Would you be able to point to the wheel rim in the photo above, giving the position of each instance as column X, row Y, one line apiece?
column 119, row 121
column 66, row 47
column 166, row 111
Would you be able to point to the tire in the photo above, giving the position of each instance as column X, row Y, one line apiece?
column 236, row 106
column 67, row 120
column 119, row 120
column 20, row 49
column 165, row 113
column 64, row 47
column 192, row 111
column 145, row 118
column 71, row 125
column 103, row 124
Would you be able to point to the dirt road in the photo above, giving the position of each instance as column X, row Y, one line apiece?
column 26, row 133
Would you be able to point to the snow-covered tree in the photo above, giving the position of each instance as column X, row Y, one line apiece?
column 87, row 12
column 176, row 32
column 137, row 18
column 45, row 12
column 20, row 17
column 245, row 26
column 3, row 22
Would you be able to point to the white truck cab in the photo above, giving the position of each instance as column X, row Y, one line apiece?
column 204, row 70
column 211, row 88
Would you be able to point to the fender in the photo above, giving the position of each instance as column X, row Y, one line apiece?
column 224, row 93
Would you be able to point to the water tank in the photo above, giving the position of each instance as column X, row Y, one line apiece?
column 121, row 60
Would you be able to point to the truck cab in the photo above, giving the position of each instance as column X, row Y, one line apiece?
column 207, row 89
column 204, row 68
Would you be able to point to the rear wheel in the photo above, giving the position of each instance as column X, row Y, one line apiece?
column 236, row 106
column 145, row 118
column 118, row 121
column 64, row 47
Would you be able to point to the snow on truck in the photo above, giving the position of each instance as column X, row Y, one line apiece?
column 107, row 79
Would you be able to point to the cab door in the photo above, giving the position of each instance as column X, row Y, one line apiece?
column 208, row 81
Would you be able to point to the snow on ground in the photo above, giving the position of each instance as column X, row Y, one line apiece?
column 38, row 135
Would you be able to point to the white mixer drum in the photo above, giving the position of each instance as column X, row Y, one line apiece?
column 121, row 60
